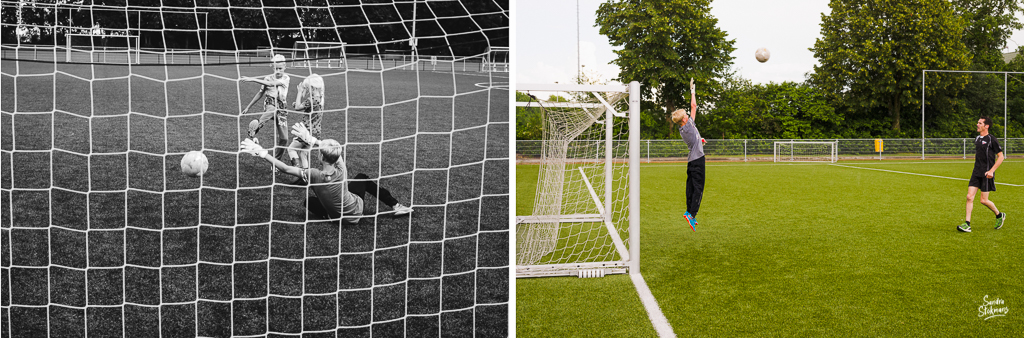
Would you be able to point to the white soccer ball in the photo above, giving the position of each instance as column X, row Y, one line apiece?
column 194, row 164
column 762, row 55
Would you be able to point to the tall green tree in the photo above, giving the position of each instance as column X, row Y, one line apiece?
column 872, row 52
column 664, row 43
column 529, row 122
column 988, row 25
column 775, row 110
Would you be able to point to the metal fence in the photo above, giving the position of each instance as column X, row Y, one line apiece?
column 122, row 55
column 762, row 149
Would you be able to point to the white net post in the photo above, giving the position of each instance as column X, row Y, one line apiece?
column 634, row 178
column 496, row 60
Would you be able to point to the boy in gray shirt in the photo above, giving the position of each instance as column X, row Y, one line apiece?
column 695, row 161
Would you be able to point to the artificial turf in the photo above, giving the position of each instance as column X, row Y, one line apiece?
column 799, row 250
column 109, row 237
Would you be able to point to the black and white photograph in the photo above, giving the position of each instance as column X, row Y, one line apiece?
column 284, row 168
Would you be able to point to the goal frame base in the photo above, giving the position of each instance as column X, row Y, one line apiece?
column 570, row 270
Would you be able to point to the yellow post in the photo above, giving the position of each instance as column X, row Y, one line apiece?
column 878, row 145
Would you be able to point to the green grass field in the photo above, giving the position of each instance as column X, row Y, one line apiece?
column 801, row 250
column 101, row 229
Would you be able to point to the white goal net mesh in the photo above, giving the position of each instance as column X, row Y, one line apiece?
column 803, row 151
column 580, row 212
column 103, row 235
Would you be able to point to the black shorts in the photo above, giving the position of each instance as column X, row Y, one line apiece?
column 982, row 183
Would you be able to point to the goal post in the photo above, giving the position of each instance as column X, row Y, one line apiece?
column 496, row 60
column 318, row 54
column 101, row 48
column 806, row 151
column 585, row 218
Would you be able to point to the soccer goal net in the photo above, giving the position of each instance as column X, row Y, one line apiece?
column 318, row 54
column 584, row 216
column 496, row 60
column 805, row 151
column 101, row 48
column 104, row 235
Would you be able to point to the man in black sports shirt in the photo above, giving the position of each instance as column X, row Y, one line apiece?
column 987, row 158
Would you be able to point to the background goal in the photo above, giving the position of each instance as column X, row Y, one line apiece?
column 805, row 151
column 318, row 54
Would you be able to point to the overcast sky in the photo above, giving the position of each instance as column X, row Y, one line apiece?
column 546, row 33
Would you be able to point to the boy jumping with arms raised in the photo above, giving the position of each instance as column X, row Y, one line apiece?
column 695, row 161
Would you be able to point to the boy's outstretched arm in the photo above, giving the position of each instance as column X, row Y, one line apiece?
column 693, row 101
column 254, row 99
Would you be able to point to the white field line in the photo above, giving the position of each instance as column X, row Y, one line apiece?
column 902, row 172
column 658, row 319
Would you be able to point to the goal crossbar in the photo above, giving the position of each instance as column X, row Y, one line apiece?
column 132, row 45
column 807, row 151
column 1006, row 80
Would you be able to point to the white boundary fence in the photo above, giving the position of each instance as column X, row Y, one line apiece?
column 122, row 55
column 761, row 149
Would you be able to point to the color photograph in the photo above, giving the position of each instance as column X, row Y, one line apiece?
column 700, row 168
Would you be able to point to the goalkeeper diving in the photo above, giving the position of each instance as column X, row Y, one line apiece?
column 332, row 194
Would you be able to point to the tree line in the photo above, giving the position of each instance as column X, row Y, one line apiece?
column 463, row 29
column 867, row 82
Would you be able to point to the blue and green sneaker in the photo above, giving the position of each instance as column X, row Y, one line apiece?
column 693, row 222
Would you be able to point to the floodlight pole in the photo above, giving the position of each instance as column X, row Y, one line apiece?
column 1006, row 88
column 924, row 72
column 634, row 178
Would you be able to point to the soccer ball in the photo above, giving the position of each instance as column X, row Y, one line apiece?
column 194, row 164
column 762, row 55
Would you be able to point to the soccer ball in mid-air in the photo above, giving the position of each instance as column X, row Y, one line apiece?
column 194, row 164
column 762, row 55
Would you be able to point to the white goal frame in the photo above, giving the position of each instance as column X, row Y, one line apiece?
column 92, row 57
column 491, row 65
column 779, row 156
column 1006, row 89
column 302, row 53
column 629, row 258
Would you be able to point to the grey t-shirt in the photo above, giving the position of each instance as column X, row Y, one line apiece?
column 335, row 198
column 691, row 136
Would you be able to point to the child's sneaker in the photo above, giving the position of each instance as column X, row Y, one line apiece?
column 254, row 127
column 401, row 209
column 693, row 222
